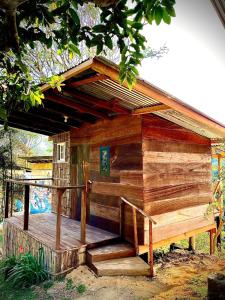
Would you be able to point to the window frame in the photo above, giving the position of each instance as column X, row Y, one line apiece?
column 61, row 152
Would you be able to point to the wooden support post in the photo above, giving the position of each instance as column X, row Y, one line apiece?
column 26, row 207
column 218, row 242
column 192, row 244
column 84, row 203
column 135, row 230
column 7, row 200
column 211, row 233
column 11, row 199
column 122, row 219
column 83, row 216
column 150, row 252
column 58, row 220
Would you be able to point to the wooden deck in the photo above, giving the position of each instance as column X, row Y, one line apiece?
column 41, row 234
column 43, row 228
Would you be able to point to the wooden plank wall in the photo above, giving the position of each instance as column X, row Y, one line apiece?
column 62, row 171
column 123, row 135
column 176, row 175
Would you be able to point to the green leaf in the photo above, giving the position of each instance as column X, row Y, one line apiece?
column 158, row 15
column 74, row 16
column 74, row 48
column 137, row 25
column 99, row 48
column 99, row 28
column 171, row 11
column 166, row 17
column 108, row 42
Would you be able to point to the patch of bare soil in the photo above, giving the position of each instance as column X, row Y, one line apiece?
column 178, row 276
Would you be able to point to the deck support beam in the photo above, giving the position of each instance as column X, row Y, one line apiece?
column 211, row 238
column 192, row 244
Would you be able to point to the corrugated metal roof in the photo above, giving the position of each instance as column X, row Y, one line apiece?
column 143, row 95
column 108, row 89
column 188, row 123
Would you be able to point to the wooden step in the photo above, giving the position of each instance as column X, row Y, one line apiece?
column 118, row 250
column 129, row 266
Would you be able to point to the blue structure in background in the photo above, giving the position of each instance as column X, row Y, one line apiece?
column 40, row 200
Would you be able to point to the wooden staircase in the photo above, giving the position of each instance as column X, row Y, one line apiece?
column 116, row 259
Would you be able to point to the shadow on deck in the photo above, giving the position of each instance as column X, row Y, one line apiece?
column 42, row 235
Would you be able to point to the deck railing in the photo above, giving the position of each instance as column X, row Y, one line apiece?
column 60, row 190
column 135, row 209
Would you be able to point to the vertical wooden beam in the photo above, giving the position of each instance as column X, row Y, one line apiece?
column 191, row 244
column 220, row 160
column 7, row 200
column 211, row 247
column 83, row 216
column 135, row 230
column 122, row 218
column 11, row 199
column 84, row 203
column 59, row 194
column 150, row 252
column 26, row 207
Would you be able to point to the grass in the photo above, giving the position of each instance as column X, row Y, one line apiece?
column 7, row 292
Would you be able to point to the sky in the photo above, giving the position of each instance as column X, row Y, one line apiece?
column 194, row 68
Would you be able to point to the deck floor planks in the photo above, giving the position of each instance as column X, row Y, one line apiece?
column 43, row 228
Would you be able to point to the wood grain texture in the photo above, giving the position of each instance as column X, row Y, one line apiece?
column 123, row 136
column 176, row 177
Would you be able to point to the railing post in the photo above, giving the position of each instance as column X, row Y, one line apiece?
column 83, row 215
column 84, row 196
column 26, row 207
column 135, row 230
column 7, row 200
column 122, row 219
column 150, row 252
column 58, row 220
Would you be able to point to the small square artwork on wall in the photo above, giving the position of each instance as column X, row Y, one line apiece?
column 105, row 160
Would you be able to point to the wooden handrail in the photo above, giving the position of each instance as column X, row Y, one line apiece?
column 30, row 179
column 150, row 220
column 45, row 185
column 138, row 209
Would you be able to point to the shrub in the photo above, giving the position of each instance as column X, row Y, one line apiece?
column 25, row 271
column 7, row 265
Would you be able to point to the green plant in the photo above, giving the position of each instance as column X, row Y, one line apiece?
column 27, row 271
column 7, row 265
column 81, row 288
column 69, row 284
column 58, row 25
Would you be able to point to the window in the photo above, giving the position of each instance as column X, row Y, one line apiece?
column 61, row 151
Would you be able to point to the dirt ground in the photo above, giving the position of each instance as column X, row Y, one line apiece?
column 179, row 275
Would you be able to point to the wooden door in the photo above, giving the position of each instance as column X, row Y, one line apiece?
column 79, row 154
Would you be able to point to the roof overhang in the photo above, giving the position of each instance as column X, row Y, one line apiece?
column 219, row 6
column 92, row 91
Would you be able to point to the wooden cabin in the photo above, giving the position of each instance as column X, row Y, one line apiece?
column 131, row 172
